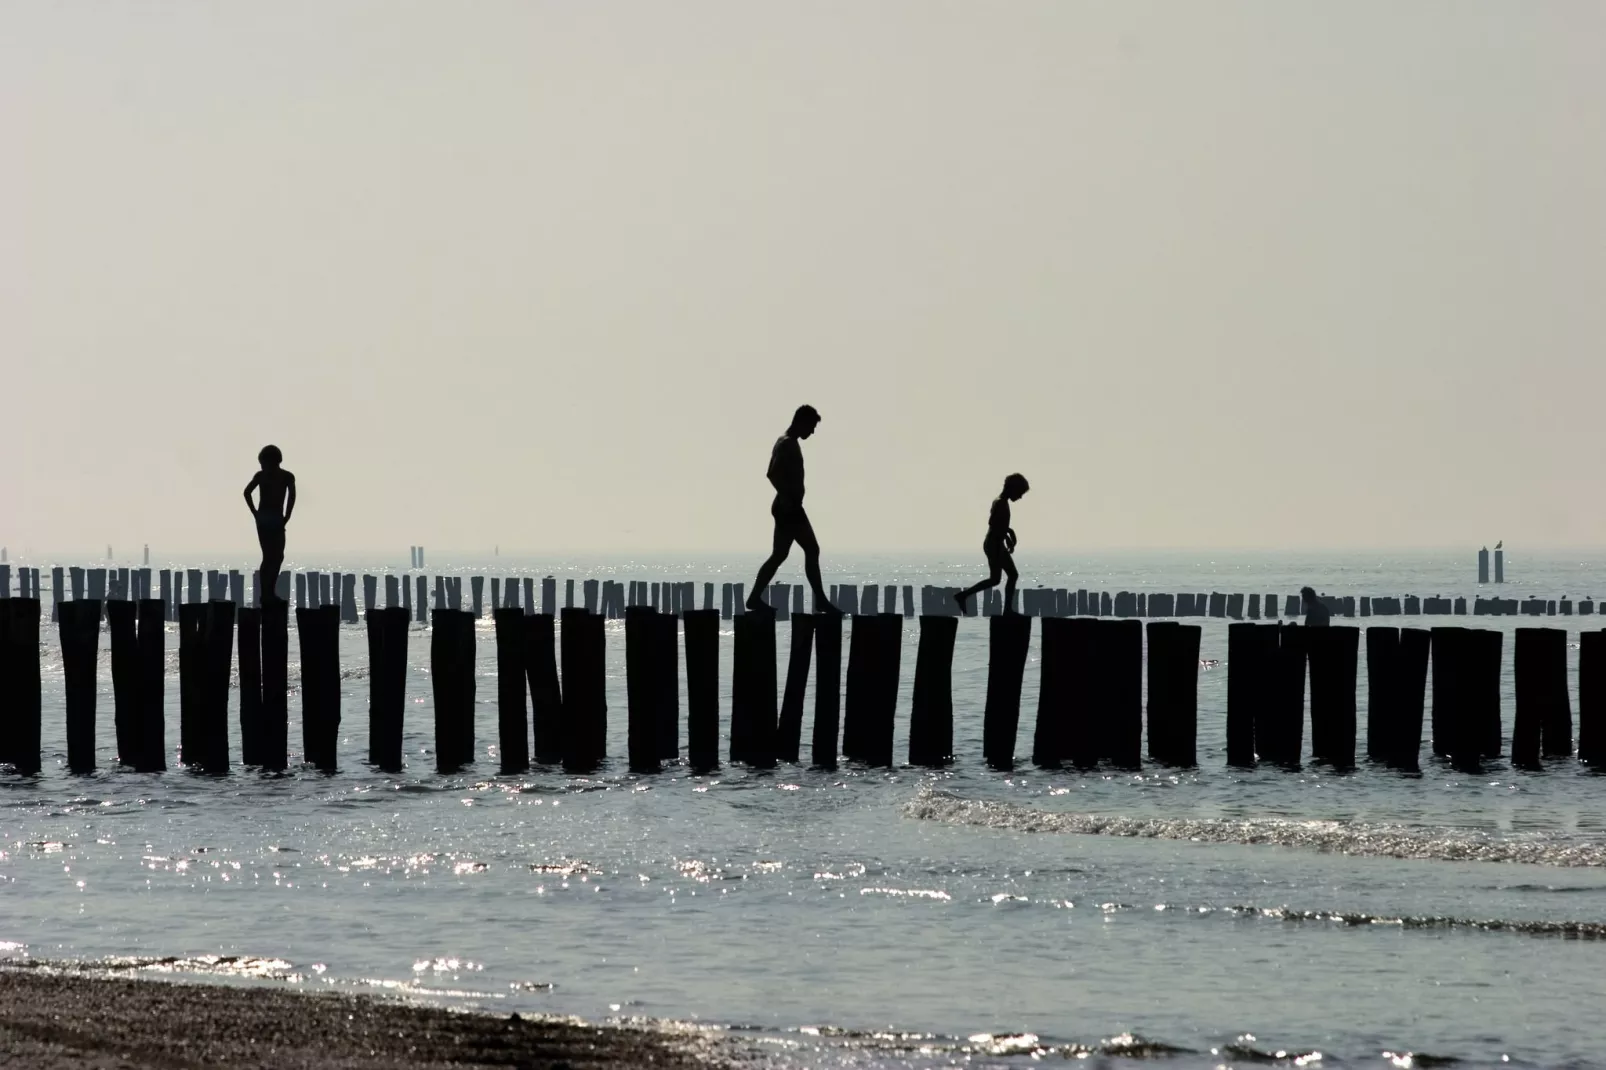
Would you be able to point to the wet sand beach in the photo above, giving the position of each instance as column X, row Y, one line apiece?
column 53, row 1021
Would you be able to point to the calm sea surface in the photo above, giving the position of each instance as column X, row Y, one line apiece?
column 870, row 917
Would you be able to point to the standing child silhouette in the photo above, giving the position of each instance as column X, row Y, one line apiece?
column 276, row 487
column 999, row 546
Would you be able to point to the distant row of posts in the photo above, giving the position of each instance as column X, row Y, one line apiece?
column 1499, row 565
column 416, row 561
column 612, row 598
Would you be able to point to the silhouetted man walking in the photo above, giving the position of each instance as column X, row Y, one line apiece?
column 791, row 522
column 276, row 486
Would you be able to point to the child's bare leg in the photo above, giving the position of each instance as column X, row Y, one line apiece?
column 985, row 585
column 1009, row 588
column 272, row 562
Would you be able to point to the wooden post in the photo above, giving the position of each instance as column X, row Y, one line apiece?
column 1556, row 727
column 20, row 684
column 387, row 686
column 1449, row 679
column 878, row 726
column 1530, row 670
column 150, row 742
column 862, row 652
column 318, row 631
column 789, row 736
column 931, row 714
column 191, row 680
column 546, row 693
column 753, row 713
column 512, row 719
column 451, row 668
column 702, row 689
column 1383, row 692
column 250, row 650
column 1051, row 742
column 1118, row 654
column 585, row 710
column 219, row 653
column 641, row 702
column 1173, row 692
column 275, row 624
column 79, row 628
column 827, row 688
column 1411, row 677
column 666, row 682
column 1250, row 669
column 1543, row 725
column 1008, row 637
column 1489, row 645
column 121, row 620
column 1333, row 655
column 1592, row 698
column 1280, row 732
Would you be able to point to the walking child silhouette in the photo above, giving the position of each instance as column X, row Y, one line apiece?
column 999, row 546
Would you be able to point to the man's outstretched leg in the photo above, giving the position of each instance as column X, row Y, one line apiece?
column 766, row 572
column 811, row 568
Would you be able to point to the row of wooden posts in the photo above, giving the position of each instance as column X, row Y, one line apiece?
column 550, row 689
column 612, row 598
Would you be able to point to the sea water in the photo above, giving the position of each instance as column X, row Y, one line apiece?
column 869, row 917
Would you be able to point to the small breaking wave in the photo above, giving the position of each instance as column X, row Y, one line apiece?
column 1334, row 837
column 962, row 1050
column 241, row 966
column 1570, row 930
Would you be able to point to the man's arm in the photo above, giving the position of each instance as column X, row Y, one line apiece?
column 290, row 499
column 249, row 487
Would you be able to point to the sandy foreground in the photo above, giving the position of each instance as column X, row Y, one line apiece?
column 54, row 1021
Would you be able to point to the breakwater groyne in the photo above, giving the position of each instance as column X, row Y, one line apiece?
column 1113, row 691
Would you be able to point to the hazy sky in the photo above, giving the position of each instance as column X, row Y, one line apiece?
column 553, row 276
